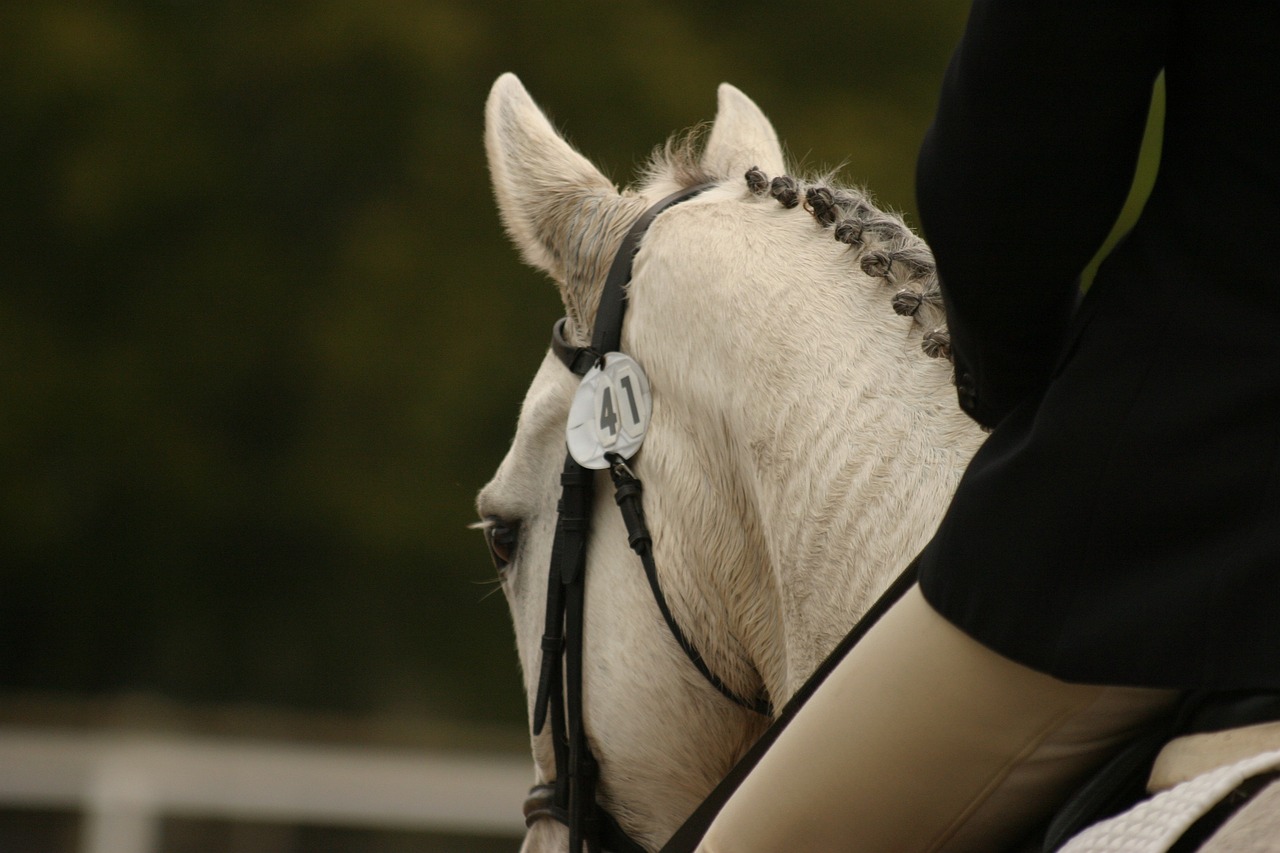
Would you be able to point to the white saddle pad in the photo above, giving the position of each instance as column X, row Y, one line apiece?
column 1154, row 825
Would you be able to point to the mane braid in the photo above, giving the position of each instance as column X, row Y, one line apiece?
column 881, row 243
column 785, row 190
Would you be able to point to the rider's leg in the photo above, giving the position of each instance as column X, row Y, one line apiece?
column 922, row 739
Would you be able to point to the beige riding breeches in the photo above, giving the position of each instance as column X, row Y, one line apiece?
column 922, row 739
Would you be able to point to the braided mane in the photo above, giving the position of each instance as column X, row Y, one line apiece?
column 880, row 242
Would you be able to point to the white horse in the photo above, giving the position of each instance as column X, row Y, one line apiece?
column 803, row 444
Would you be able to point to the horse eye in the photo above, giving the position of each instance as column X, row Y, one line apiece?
column 502, row 537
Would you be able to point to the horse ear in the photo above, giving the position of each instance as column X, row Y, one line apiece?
column 540, row 182
column 741, row 137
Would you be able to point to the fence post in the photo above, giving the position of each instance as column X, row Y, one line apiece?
column 120, row 809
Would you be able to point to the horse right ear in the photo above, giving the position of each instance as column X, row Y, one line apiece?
column 741, row 137
column 542, row 185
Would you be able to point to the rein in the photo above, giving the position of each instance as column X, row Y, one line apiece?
column 571, row 799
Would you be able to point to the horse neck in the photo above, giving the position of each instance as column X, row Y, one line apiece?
column 793, row 380
column 851, row 466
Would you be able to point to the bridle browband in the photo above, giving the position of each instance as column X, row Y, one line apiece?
column 570, row 799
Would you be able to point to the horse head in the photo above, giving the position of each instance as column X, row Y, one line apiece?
column 802, row 444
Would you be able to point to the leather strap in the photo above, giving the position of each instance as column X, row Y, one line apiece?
column 607, row 332
column 627, row 496
column 578, row 359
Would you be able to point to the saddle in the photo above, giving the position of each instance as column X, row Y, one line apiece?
column 1206, row 731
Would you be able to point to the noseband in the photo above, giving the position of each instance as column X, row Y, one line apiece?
column 570, row 799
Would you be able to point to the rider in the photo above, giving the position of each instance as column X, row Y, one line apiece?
column 1116, row 541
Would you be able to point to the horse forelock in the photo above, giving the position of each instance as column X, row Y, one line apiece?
column 679, row 163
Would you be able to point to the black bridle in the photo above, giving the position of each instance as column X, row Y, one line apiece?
column 571, row 799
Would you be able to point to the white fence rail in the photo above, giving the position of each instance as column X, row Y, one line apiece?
column 125, row 784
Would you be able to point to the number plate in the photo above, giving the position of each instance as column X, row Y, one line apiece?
column 610, row 412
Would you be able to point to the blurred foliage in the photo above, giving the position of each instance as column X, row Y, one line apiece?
column 261, row 336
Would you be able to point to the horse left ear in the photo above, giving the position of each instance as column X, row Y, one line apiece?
column 741, row 137
column 541, row 183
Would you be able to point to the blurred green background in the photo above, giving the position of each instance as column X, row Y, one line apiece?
column 261, row 335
